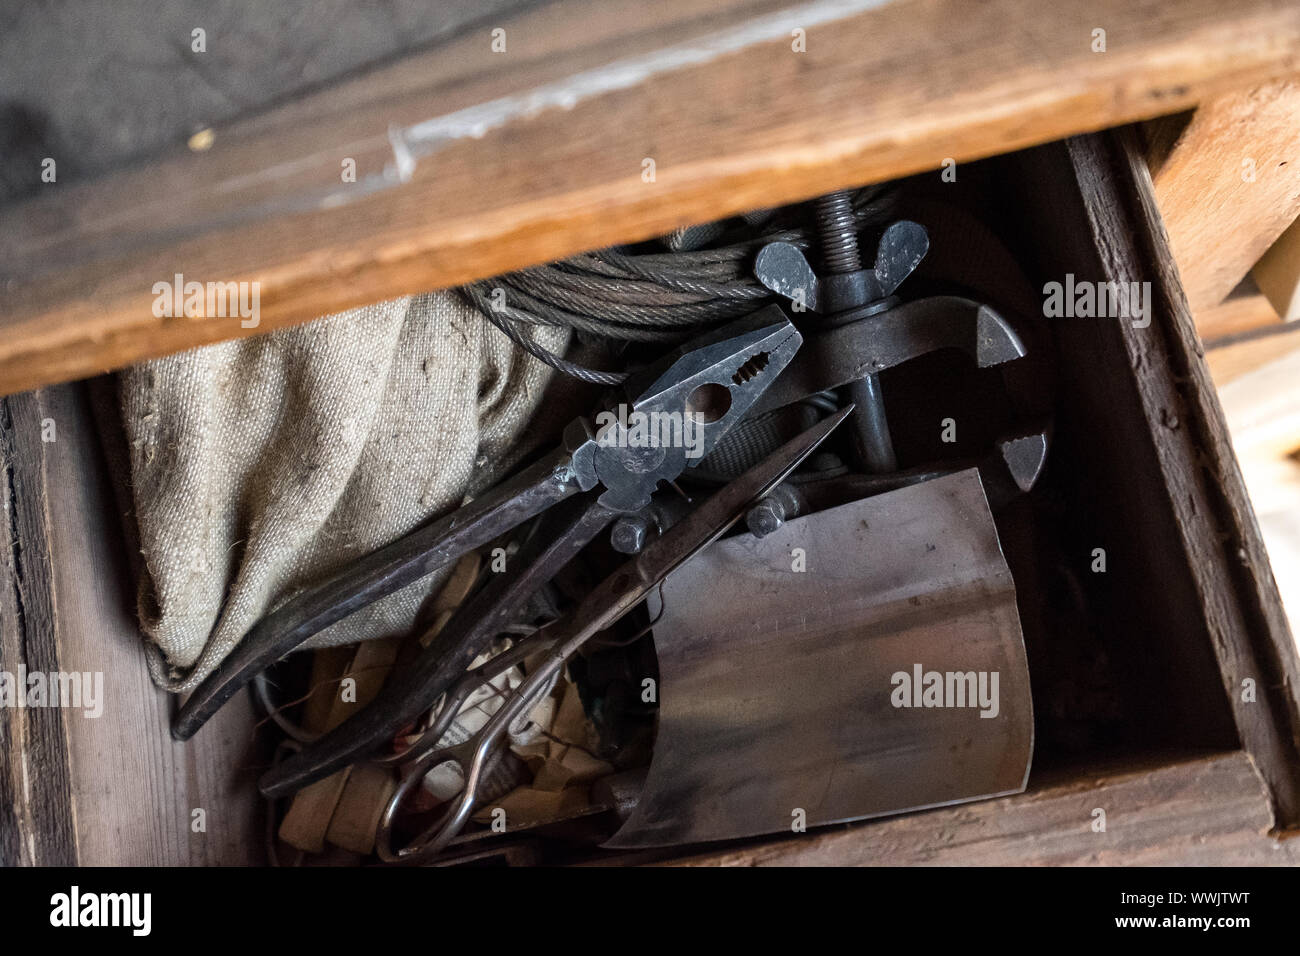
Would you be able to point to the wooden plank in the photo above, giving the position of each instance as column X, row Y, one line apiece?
column 1220, row 537
column 471, row 162
column 1229, row 186
column 1235, row 317
column 1277, row 273
column 1242, row 334
column 1203, row 812
column 36, row 818
column 1233, row 359
column 130, row 790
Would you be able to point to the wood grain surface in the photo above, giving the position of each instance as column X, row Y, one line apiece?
column 116, row 789
column 1199, row 812
column 36, row 816
column 1228, row 185
column 1220, row 537
column 471, row 162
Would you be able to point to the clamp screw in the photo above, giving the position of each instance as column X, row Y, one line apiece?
column 837, row 226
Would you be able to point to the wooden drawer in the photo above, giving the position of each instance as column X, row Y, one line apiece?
column 1188, row 767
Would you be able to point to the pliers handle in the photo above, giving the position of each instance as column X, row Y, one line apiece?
column 377, row 575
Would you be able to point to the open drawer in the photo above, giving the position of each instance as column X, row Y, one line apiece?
column 1165, row 685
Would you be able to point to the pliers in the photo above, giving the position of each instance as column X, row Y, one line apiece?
column 709, row 384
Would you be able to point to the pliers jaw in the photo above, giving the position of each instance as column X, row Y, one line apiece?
column 693, row 398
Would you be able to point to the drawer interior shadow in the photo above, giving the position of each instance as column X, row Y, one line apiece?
column 1120, row 657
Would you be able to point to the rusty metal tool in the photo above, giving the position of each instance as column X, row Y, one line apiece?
column 709, row 383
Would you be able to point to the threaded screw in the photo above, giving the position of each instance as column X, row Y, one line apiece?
column 837, row 225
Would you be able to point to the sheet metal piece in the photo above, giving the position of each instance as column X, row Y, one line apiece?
column 778, row 686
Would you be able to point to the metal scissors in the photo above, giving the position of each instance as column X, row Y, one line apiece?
column 601, row 608
column 709, row 383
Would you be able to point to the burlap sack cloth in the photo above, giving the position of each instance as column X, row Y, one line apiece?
column 259, row 466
